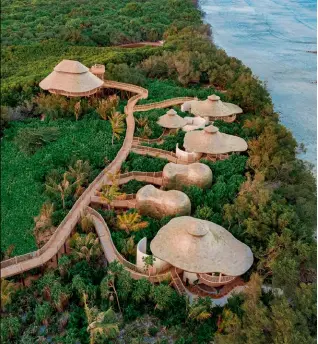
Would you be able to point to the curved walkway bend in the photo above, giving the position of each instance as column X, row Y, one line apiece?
column 22, row 263
column 38, row 258
column 112, row 254
column 163, row 104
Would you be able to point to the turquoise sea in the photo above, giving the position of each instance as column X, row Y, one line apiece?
column 277, row 40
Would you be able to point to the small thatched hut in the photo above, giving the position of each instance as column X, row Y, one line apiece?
column 71, row 78
column 202, row 250
column 213, row 108
column 171, row 120
column 213, row 143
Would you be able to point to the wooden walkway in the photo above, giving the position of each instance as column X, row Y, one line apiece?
column 112, row 254
column 20, row 264
column 163, row 104
column 160, row 153
column 55, row 246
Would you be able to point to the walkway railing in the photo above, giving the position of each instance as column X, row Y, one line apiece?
column 26, row 262
column 134, row 270
column 215, row 280
column 40, row 257
column 148, row 177
column 163, row 104
column 163, row 154
column 177, row 282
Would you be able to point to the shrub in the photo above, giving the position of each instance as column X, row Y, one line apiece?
column 43, row 312
column 29, row 140
column 153, row 331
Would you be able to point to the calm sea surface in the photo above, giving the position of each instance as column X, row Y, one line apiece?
column 272, row 37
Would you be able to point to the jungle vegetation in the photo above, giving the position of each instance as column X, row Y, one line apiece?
column 266, row 197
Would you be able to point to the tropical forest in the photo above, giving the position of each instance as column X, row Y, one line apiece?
column 149, row 192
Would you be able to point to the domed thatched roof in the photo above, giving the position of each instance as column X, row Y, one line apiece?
column 213, row 107
column 201, row 246
column 176, row 176
column 71, row 78
column 211, row 141
column 157, row 203
column 171, row 120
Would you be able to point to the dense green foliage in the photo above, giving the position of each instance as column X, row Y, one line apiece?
column 23, row 176
column 97, row 24
column 59, row 313
column 267, row 198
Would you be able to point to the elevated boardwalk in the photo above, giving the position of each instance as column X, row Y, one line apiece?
column 23, row 263
column 163, row 104
column 162, row 154
column 112, row 254
column 55, row 247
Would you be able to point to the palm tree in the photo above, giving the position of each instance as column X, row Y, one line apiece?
column 64, row 188
column 131, row 222
column 77, row 109
column 110, row 193
column 118, row 125
column 100, row 324
column 80, row 170
column 149, row 262
column 142, row 121
column 86, row 224
column 200, row 310
column 129, row 247
column 107, row 106
column 85, row 246
column 144, row 132
column 7, row 289
column 44, row 220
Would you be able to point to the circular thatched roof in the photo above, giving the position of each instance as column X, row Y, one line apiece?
column 201, row 246
column 71, row 78
column 213, row 107
column 171, row 120
column 211, row 141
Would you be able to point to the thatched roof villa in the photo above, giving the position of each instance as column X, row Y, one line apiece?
column 73, row 79
column 171, row 120
column 213, row 108
column 213, row 143
column 202, row 250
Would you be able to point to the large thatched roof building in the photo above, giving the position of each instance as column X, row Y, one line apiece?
column 200, row 246
column 213, row 108
column 171, row 120
column 71, row 78
column 211, row 141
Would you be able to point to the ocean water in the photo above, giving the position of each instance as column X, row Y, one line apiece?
column 273, row 38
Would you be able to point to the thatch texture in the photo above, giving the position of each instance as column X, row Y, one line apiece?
column 201, row 246
column 175, row 176
column 194, row 123
column 212, row 107
column 171, row 120
column 71, row 78
column 211, row 141
column 157, row 203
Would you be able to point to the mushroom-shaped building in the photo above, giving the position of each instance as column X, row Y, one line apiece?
column 204, row 251
column 171, row 120
column 213, row 143
column 158, row 203
column 176, row 176
column 71, row 78
column 213, row 108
